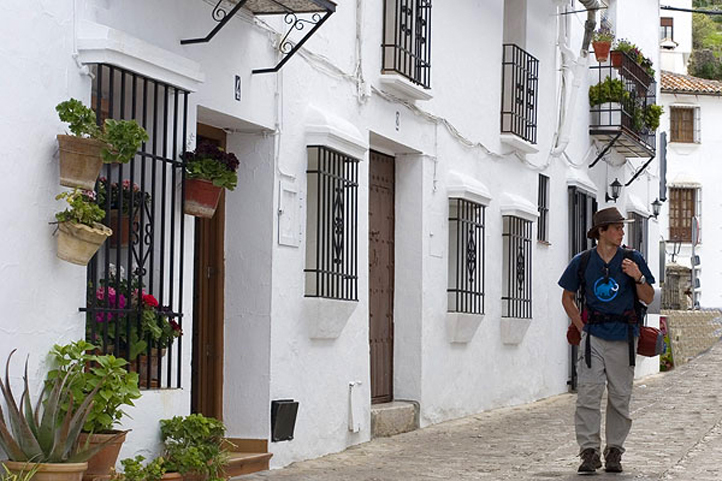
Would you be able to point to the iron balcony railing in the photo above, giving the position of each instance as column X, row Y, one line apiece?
column 633, row 91
column 407, row 40
column 135, row 281
column 519, row 83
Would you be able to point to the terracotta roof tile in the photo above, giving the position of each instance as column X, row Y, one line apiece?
column 686, row 84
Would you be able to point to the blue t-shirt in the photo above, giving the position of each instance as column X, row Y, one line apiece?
column 615, row 295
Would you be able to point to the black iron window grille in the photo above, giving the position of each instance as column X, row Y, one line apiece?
column 331, row 225
column 519, row 83
column 516, row 272
column 135, row 281
column 637, row 233
column 543, row 206
column 620, row 104
column 407, row 40
column 466, row 257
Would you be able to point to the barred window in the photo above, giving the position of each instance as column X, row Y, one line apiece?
column 331, row 225
column 516, row 269
column 466, row 257
column 407, row 40
column 681, row 210
column 543, row 205
column 519, row 84
column 637, row 233
column 135, row 282
column 684, row 125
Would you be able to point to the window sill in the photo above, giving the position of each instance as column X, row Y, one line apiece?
column 326, row 318
column 518, row 143
column 461, row 327
column 403, row 87
column 544, row 243
column 513, row 330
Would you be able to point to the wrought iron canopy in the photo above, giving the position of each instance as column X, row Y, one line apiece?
column 320, row 10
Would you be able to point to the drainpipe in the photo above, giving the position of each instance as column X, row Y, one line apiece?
column 579, row 69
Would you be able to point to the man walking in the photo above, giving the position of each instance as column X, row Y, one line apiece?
column 611, row 280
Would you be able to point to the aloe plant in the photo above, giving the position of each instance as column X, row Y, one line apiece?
column 43, row 434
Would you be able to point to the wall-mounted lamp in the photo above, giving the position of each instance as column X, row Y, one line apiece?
column 656, row 206
column 616, row 188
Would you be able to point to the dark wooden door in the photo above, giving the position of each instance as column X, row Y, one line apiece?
column 208, row 301
column 381, row 276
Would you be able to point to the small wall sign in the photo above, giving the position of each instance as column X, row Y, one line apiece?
column 238, row 88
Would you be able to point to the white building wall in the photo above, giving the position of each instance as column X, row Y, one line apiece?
column 271, row 352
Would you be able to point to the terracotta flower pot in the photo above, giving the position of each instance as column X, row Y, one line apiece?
column 49, row 471
column 201, row 198
column 78, row 243
column 80, row 161
column 172, row 476
column 102, row 462
column 601, row 50
column 144, row 364
column 617, row 59
column 126, row 225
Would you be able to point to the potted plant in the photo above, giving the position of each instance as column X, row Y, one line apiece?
column 602, row 43
column 80, row 232
column 126, row 200
column 194, row 446
column 82, row 154
column 38, row 436
column 117, row 387
column 208, row 170
column 134, row 470
column 7, row 475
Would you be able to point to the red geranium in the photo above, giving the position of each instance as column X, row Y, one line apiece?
column 149, row 300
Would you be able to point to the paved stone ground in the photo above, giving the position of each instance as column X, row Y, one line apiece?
column 676, row 436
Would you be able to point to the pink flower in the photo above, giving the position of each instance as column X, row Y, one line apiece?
column 112, row 301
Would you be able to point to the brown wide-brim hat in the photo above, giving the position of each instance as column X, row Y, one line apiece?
column 603, row 217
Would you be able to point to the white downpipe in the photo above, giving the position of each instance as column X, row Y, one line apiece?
column 578, row 68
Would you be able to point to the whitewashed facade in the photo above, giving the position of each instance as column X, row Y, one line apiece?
column 446, row 143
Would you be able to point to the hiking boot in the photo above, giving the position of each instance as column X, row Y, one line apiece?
column 590, row 461
column 613, row 460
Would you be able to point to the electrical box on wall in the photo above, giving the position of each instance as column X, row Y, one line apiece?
column 283, row 419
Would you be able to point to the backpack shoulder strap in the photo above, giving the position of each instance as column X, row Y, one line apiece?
column 583, row 263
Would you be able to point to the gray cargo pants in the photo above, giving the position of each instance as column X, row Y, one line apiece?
column 610, row 366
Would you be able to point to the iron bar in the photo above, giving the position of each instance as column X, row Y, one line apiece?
column 520, row 77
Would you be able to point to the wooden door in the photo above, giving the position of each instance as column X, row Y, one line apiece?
column 381, row 276
column 208, row 297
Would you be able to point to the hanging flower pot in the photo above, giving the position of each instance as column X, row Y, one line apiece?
column 201, row 198
column 78, row 243
column 208, row 170
column 80, row 161
column 48, row 471
column 121, row 226
column 148, row 365
column 102, row 462
column 601, row 50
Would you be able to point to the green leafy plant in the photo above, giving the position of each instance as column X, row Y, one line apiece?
column 122, row 138
column 44, row 434
column 82, row 208
column 130, row 196
column 603, row 34
column 134, row 470
column 194, row 444
column 7, row 475
column 608, row 90
column 212, row 163
column 652, row 114
column 105, row 373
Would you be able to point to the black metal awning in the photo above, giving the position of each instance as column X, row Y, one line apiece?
column 320, row 10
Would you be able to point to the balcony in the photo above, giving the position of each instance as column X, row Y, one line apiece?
column 520, row 79
column 621, row 98
column 406, row 48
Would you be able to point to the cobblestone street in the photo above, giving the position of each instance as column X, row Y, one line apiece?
column 677, row 435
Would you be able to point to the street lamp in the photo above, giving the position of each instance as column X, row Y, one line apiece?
column 616, row 187
column 656, row 206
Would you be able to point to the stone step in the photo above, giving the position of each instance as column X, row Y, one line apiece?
column 246, row 463
column 392, row 418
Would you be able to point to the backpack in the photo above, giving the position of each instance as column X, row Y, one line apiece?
column 651, row 340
